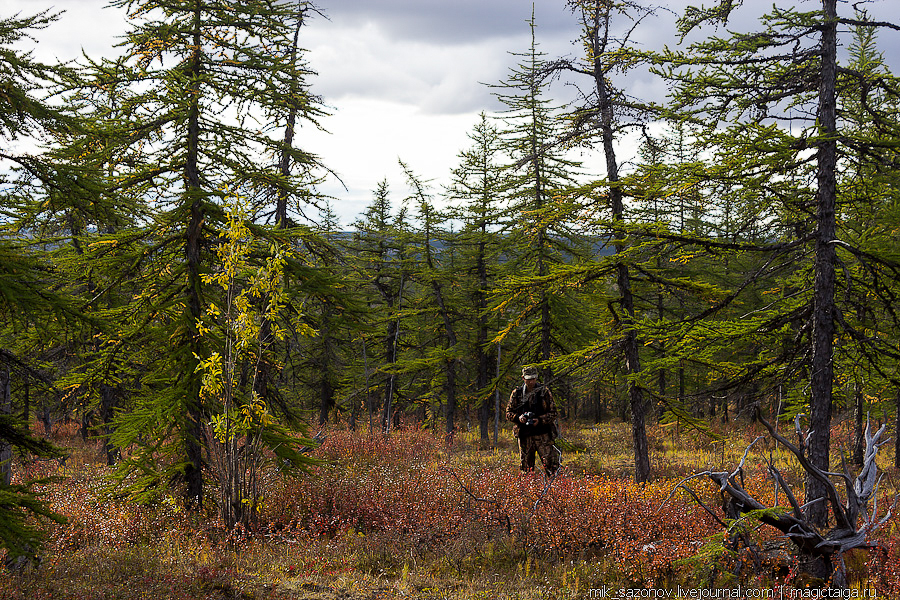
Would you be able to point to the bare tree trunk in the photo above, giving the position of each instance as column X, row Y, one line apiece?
column 596, row 31
column 284, row 163
column 85, row 429
column 660, row 315
column 482, row 375
column 326, row 397
column 391, row 351
column 46, row 419
column 354, row 415
column 452, row 341
column 26, row 400
column 108, row 400
column 6, row 409
column 822, row 375
column 369, row 407
column 451, row 399
column 897, row 430
column 263, row 377
column 193, row 432
column 858, row 440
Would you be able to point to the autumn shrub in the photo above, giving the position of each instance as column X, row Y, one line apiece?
column 404, row 494
column 393, row 508
column 94, row 519
column 405, row 447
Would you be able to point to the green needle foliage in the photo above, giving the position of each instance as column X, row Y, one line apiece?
column 477, row 190
column 22, row 511
column 774, row 111
column 539, row 231
column 194, row 104
column 380, row 256
column 32, row 309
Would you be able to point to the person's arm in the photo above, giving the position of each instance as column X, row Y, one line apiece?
column 549, row 417
column 513, row 407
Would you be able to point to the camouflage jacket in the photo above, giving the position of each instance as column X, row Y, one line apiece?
column 540, row 402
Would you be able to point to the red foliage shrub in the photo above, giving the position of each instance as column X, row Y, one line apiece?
column 408, row 495
column 388, row 487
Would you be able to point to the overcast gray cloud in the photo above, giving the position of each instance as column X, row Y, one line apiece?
column 362, row 62
column 446, row 22
column 436, row 55
column 404, row 78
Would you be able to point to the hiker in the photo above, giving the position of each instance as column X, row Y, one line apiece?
column 533, row 413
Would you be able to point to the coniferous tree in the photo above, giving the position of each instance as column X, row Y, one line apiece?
column 314, row 367
column 777, row 93
column 595, row 121
column 479, row 184
column 380, row 253
column 437, row 304
column 195, row 78
column 540, row 231
column 32, row 308
column 868, row 197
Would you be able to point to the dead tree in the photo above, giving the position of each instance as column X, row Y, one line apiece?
column 853, row 522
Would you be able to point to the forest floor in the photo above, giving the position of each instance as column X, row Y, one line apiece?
column 412, row 516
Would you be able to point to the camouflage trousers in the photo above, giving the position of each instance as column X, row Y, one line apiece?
column 542, row 445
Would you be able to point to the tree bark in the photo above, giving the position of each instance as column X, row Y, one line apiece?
column 596, row 28
column 545, row 325
column 451, row 362
column 822, row 374
column 26, row 400
column 46, row 419
column 108, row 398
column 393, row 333
column 858, row 441
column 482, row 375
column 193, row 431
column 326, row 394
column 284, row 164
column 6, row 409
column 897, row 430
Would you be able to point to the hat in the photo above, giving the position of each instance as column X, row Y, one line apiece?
column 529, row 373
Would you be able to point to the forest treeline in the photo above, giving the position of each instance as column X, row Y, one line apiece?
column 172, row 277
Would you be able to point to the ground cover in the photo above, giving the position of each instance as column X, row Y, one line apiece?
column 411, row 515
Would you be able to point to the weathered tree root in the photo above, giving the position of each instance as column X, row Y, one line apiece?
column 815, row 548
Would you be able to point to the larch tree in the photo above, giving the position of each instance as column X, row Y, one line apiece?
column 770, row 100
column 598, row 119
column 437, row 305
column 477, row 190
column 539, row 228
column 379, row 252
column 870, row 105
column 281, row 199
column 203, row 83
column 32, row 304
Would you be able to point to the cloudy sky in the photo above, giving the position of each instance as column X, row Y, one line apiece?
column 402, row 78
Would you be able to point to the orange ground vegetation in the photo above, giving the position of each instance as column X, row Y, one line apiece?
column 380, row 511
